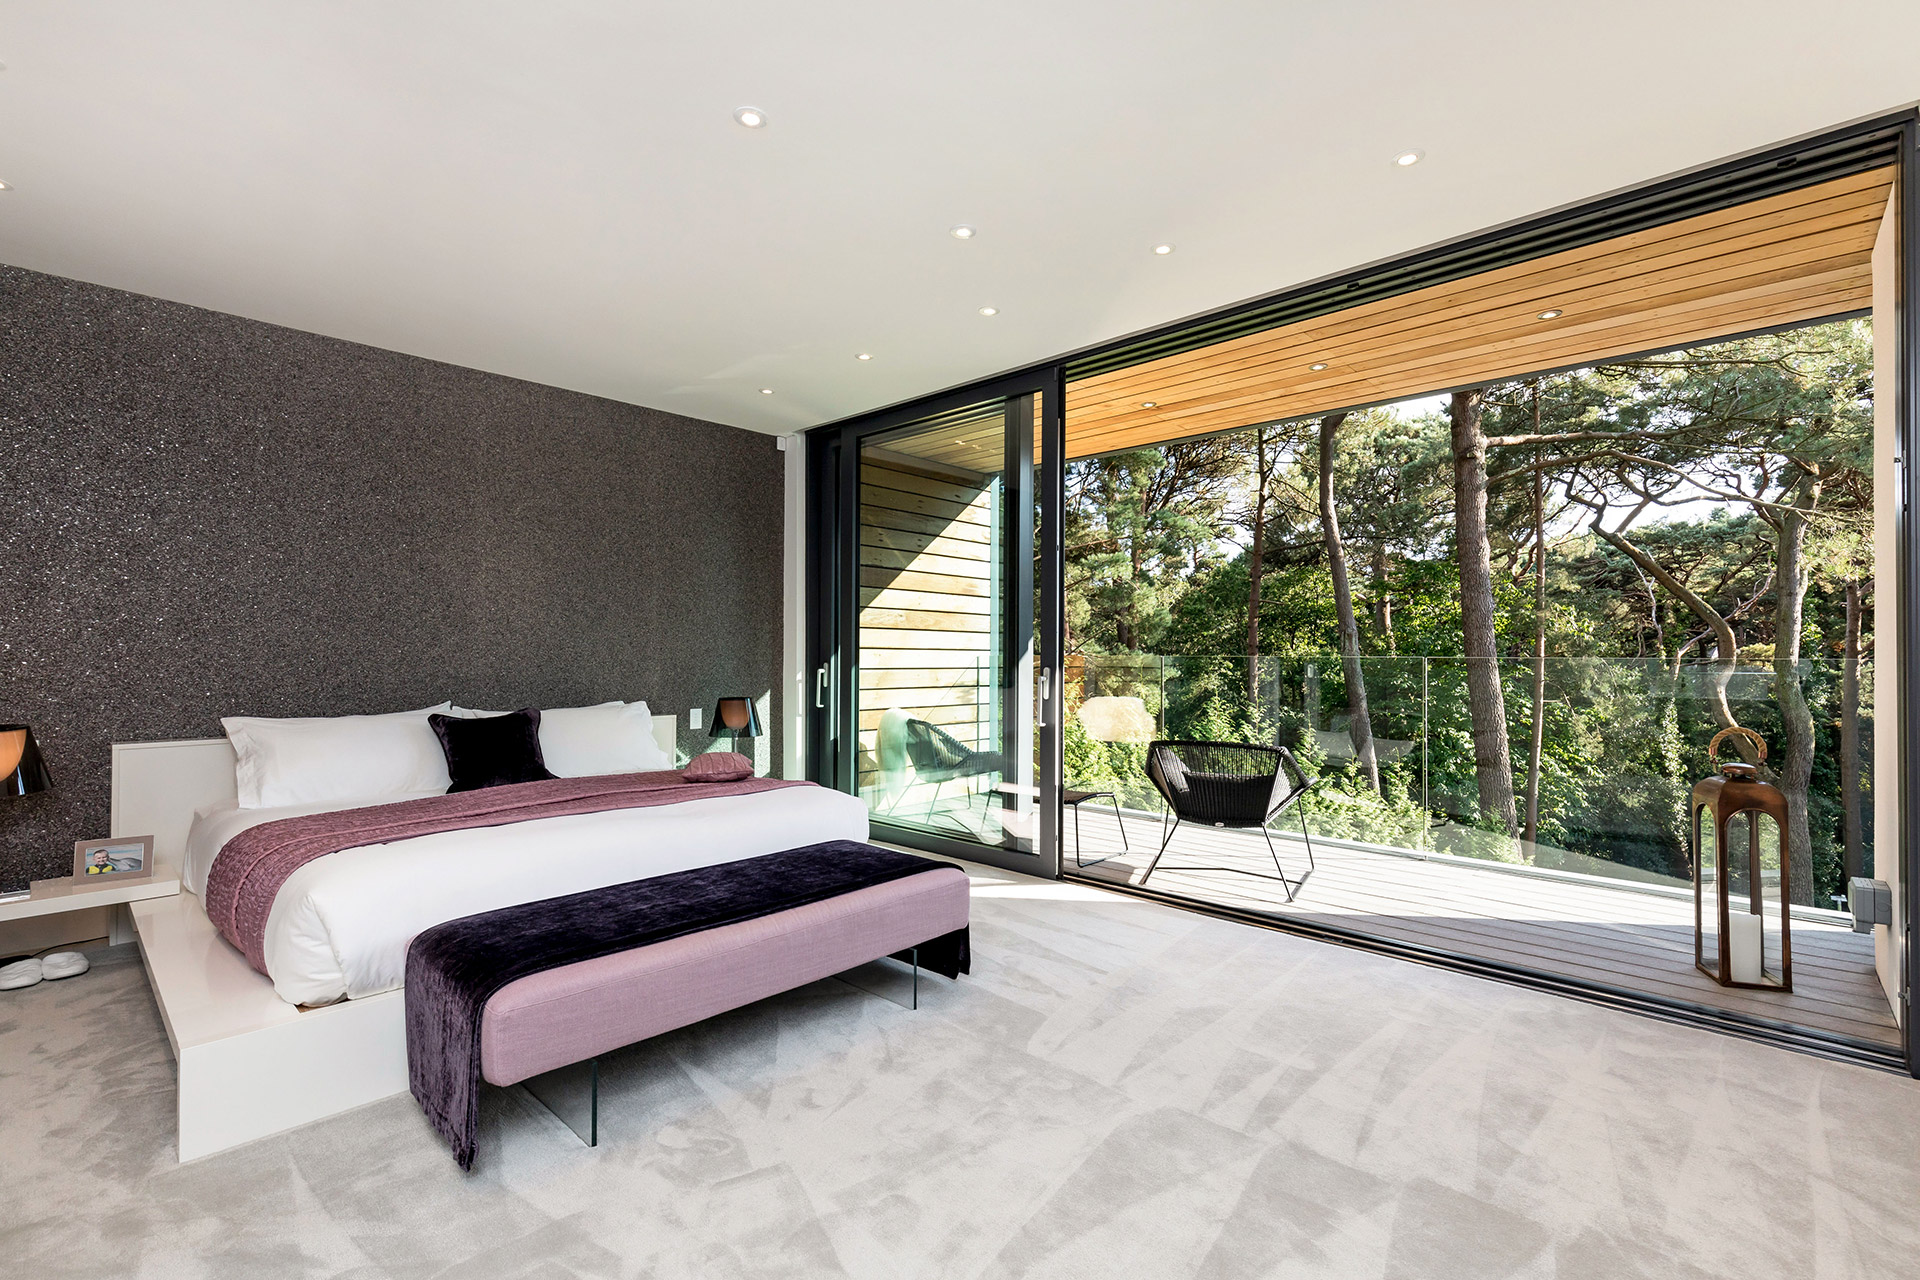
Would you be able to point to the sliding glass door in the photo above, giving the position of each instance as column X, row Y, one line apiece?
column 935, row 664
column 1283, row 514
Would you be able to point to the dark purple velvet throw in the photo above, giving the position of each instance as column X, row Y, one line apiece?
column 453, row 969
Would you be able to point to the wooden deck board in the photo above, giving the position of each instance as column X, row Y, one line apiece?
column 1637, row 941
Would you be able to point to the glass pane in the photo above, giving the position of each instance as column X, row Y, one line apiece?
column 944, row 665
column 1708, row 890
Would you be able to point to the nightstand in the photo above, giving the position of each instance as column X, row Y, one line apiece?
column 53, row 897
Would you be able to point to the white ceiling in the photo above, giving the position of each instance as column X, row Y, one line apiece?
column 558, row 191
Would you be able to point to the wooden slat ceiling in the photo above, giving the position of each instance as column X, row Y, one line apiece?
column 1803, row 255
column 974, row 443
column 1784, row 260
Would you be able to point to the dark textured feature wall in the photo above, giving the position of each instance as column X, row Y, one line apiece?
column 207, row 516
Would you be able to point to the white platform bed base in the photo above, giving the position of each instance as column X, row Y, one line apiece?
column 249, row 1064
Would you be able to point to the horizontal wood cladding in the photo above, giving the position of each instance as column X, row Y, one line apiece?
column 891, row 518
column 1798, row 256
column 927, row 613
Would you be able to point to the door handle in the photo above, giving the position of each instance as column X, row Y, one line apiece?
column 1046, row 696
column 820, row 688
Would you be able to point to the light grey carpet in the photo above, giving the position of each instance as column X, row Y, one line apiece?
column 1121, row 1089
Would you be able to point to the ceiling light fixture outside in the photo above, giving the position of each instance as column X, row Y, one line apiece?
column 961, row 232
column 1550, row 315
column 1148, row 404
column 1163, row 249
column 989, row 311
column 1316, row 367
column 766, row 391
column 863, row 356
column 750, row 118
column 1409, row 158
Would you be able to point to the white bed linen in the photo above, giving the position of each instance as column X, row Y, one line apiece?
column 341, row 923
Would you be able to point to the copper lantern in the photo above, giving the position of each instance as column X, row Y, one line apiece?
column 1740, row 877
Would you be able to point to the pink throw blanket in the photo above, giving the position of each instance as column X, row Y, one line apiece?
column 247, row 874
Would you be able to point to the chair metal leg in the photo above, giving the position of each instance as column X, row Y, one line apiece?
column 1273, row 853
column 927, row 816
column 1165, row 840
column 1079, row 859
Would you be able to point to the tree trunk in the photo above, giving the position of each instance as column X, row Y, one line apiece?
column 1256, row 567
column 1486, row 703
column 1796, row 720
column 1726, row 648
column 1531, row 835
column 1853, row 844
column 1129, row 628
column 1359, row 723
column 1382, row 598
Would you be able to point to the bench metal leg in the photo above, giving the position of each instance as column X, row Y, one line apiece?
column 560, row 1094
column 879, row 978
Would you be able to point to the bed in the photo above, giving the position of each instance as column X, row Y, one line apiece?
column 322, row 1031
column 340, row 925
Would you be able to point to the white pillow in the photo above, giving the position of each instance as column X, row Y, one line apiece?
column 580, row 742
column 335, row 759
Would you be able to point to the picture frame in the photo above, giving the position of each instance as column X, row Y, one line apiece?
column 119, row 860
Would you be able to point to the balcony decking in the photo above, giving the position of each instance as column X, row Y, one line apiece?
column 1639, row 941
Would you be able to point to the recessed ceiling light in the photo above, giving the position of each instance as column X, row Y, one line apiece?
column 766, row 391
column 751, row 117
column 1550, row 315
column 863, row 356
column 961, row 232
column 1148, row 404
column 1406, row 158
column 989, row 311
column 1163, row 249
column 1316, row 367
column 5, row 187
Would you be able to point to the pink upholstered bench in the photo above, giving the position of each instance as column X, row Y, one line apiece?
column 569, row 1015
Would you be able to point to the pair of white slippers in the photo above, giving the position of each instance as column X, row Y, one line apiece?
column 25, row 973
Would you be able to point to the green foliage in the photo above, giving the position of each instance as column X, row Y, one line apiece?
column 1689, row 452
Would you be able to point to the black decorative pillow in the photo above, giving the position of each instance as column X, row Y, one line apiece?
column 491, row 751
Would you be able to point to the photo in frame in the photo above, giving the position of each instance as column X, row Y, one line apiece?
column 118, row 860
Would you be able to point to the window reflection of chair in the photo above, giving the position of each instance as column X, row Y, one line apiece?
column 1228, row 784
column 913, row 752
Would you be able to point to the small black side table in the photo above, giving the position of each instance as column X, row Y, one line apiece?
column 1073, row 800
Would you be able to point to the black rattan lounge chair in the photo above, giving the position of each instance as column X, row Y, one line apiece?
column 1228, row 784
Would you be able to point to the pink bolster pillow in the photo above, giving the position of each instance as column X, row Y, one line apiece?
column 718, row 766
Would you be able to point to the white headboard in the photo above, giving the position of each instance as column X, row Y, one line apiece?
column 158, row 785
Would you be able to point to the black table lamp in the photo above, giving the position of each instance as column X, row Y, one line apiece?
column 22, row 771
column 738, row 717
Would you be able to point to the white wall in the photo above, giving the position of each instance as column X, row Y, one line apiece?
column 1886, row 601
column 794, row 685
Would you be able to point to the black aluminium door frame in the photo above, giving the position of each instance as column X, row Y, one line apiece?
column 1032, row 563
column 1907, row 431
column 1892, row 138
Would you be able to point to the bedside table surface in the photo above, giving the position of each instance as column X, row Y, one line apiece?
column 44, row 903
